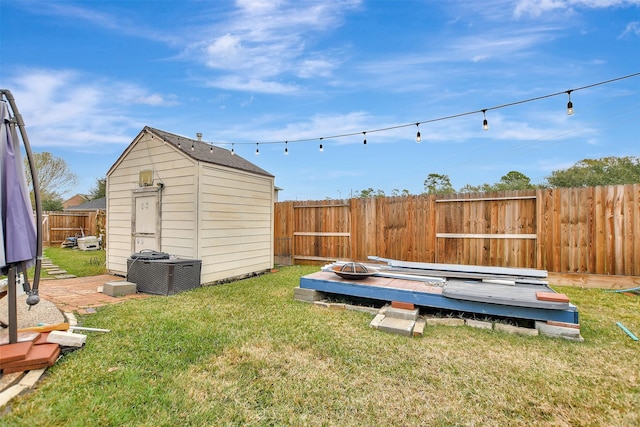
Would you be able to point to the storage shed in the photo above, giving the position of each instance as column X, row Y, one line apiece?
column 189, row 199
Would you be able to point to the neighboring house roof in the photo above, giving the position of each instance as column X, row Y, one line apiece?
column 91, row 205
column 74, row 200
column 202, row 151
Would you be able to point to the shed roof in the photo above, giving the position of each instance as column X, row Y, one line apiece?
column 202, row 151
column 206, row 152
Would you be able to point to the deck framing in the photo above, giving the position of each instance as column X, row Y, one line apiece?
column 424, row 295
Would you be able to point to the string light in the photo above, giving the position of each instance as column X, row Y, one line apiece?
column 179, row 143
column 569, row 104
column 485, row 122
column 418, row 137
column 257, row 149
column 211, row 148
column 286, row 148
column 321, row 148
column 233, row 153
column 193, row 147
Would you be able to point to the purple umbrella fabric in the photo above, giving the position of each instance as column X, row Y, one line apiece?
column 18, row 231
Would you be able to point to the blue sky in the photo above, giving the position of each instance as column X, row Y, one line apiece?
column 89, row 75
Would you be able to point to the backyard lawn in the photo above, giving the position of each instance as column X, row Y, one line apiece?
column 246, row 353
column 77, row 262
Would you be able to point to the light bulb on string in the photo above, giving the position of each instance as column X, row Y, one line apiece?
column 211, row 148
column 193, row 147
column 257, row 149
column 418, row 137
column 485, row 123
column 233, row 153
column 179, row 144
column 286, row 148
column 365, row 139
column 569, row 104
column 321, row 147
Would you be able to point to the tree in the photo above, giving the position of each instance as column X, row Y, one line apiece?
column 54, row 176
column 369, row 192
column 476, row 188
column 395, row 193
column 513, row 180
column 52, row 205
column 99, row 190
column 593, row 172
column 438, row 184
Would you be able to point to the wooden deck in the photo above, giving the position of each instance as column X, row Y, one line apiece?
column 457, row 295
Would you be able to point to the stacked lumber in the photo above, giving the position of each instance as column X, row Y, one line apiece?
column 498, row 275
column 438, row 274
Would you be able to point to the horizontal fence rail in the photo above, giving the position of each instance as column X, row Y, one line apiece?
column 58, row 226
column 592, row 230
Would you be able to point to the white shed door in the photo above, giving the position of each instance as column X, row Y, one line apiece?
column 146, row 221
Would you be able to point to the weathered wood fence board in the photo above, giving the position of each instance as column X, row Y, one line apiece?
column 57, row 226
column 581, row 230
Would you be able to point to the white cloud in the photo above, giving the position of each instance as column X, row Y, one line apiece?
column 261, row 42
column 537, row 8
column 241, row 83
column 435, row 68
column 316, row 68
column 632, row 29
column 120, row 23
column 64, row 108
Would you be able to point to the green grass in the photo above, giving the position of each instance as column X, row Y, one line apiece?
column 246, row 353
column 77, row 262
column 74, row 261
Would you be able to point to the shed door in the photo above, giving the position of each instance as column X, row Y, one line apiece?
column 146, row 220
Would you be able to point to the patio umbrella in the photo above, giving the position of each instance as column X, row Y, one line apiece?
column 18, row 228
column 21, row 236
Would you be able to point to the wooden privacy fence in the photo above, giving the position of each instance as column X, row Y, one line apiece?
column 580, row 230
column 57, row 226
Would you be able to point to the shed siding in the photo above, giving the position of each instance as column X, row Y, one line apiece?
column 178, row 174
column 236, row 214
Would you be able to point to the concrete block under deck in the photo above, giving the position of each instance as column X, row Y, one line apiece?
column 397, row 326
column 424, row 295
column 400, row 313
column 307, row 295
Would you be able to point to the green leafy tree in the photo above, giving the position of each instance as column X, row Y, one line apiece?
column 476, row 188
column 99, row 190
column 593, row 172
column 369, row 192
column 395, row 192
column 52, row 205
column 438, row 184
column 513, row 180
